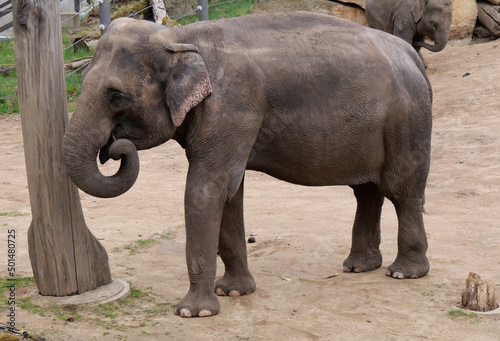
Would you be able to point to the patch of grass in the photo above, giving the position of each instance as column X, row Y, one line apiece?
column 462, row 315
column 7, row 53
column 226, row 10
column 5, row 285
column 138, row 309
column 13, row 214
column 73, row 88
column 137, row 293
column 139, row 245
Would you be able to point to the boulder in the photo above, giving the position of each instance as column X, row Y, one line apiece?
column 362, row 3
column 177, row 8
column 464, row 19
column 347, row 9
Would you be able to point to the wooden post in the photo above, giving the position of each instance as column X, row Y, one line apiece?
column 65, row 257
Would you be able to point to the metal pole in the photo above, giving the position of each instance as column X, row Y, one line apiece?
column 104, row 15
column 202, row 10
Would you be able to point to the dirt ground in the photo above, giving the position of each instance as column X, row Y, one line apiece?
column 303, row 235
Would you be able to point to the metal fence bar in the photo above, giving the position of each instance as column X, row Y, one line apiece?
column 104, row 15
column 202, row 10
column 8, row 2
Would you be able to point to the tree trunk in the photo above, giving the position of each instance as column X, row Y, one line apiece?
column 478, row 295
column 159, row 11
column 489, row 16
column 65, row 257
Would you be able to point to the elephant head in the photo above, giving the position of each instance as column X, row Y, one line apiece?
column 433, row 20
column 135, row 94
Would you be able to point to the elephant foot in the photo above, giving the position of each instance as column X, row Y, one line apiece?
column 402, row 268
column 235, row 286
column 362, row 262
column 197, row 306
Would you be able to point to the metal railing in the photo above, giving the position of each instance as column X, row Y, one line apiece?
column 5, row 9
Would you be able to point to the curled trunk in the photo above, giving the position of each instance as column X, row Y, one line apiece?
column 81, row 163
column 433, row 48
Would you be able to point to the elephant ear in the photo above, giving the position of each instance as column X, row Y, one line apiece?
column 188, row 83
column 417, row 9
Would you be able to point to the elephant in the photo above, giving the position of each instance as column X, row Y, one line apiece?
column 413, row 21
column 306, row 98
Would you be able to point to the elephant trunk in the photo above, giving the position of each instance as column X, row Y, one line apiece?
column 80, row 155
column 438, row 46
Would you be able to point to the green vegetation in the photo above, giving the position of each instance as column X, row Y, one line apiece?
column 136, row 311
column 12, row 214
column 139, row 245
column 8, row 78
column 222, row 9
column 142, row 244
column 459, row 314
column 5, row 285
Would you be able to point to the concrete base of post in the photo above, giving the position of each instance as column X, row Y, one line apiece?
column 116, row 290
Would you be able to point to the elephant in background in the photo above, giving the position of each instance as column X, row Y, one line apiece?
column 413, row 21
column 307, row 98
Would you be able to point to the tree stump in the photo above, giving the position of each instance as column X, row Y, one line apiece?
column 478, row 295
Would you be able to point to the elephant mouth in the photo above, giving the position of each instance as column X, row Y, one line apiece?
column 104, row 151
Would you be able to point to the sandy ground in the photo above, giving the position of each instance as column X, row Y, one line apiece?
column 303, row 235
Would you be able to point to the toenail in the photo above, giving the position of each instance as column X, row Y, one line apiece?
column 185, row 312
column 205, row 313
column 220, row 292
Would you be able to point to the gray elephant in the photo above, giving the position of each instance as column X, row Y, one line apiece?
column 307, row 98
column 413, row 20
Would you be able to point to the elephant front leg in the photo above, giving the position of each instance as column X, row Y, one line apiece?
column 237, row 279
column 365, row 253
column 203, row 210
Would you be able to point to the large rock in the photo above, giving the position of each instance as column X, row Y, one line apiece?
column 464, row 19
column 362, row 3
column 347, row 9
column 177, row 8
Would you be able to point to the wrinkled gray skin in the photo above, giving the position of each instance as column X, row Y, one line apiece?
column 412, row 20
column 307, row 98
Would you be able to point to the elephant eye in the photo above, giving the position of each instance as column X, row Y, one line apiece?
column 435, row 25
column 116, row 98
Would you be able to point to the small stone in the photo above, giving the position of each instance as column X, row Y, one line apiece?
column 251, row 240
column 70, row 319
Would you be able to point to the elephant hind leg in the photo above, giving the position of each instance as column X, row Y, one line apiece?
column 411, row 260
column 365, row 253
column 407, row 193
column 237, row 279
